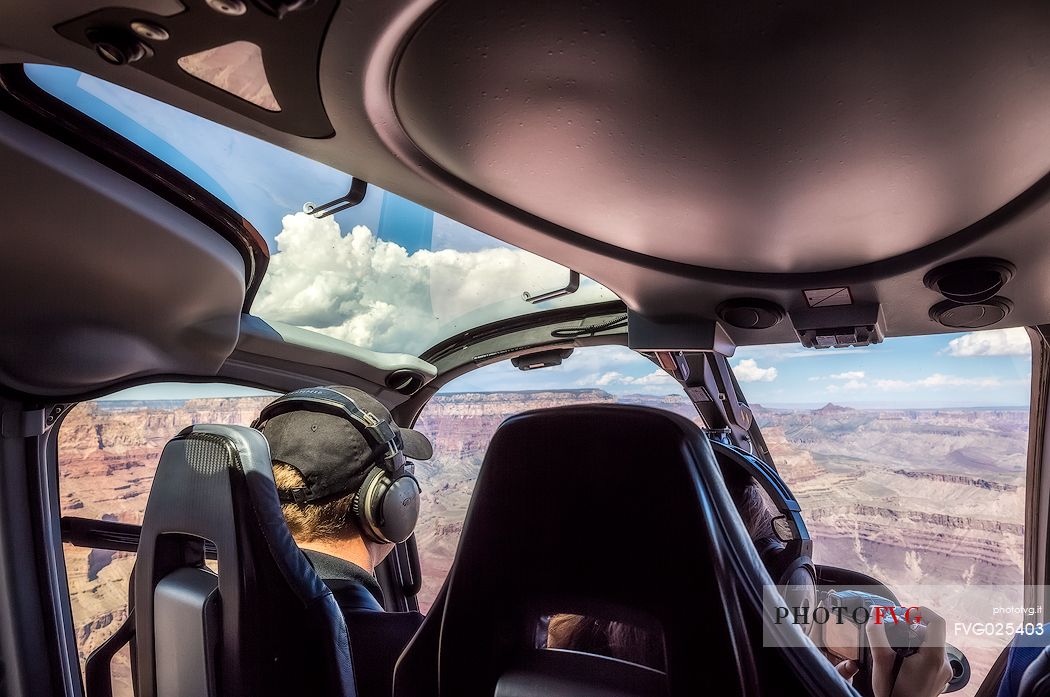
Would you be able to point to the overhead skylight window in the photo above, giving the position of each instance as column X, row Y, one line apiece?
column 386, row 274
column 236, row 68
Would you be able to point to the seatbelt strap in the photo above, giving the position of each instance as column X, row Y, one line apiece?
column 898, row 661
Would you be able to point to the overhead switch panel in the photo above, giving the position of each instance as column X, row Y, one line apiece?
column 840, row 326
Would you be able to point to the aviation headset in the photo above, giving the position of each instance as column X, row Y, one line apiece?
column 787, row 555
column 386, row 505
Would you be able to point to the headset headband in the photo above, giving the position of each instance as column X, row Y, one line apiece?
column 779, row 493
column 386, row 442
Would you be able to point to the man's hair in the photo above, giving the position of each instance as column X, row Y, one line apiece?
column 312, row 521
column 756, row 510
column 606, row 638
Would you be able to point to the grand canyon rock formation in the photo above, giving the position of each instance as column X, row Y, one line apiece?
column 908, row 496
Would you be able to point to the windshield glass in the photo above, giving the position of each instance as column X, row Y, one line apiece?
column 387, row 274
column 908, row 460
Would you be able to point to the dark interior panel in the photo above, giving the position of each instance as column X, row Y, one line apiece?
column 756, row 136
column 103, row 280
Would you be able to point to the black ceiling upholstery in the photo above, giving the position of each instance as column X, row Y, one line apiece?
column 758, row 136
column 102, row 280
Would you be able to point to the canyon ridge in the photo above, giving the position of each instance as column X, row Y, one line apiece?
column 932, row 496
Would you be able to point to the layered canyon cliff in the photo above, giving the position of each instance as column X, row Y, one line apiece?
column 908, row 496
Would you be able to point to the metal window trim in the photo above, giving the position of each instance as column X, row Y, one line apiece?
column 1037, row 484
column 50, row 518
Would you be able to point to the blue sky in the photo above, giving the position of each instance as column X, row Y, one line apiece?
column 266, row 183
column 976, row 369
column 991, row 368
column 259, row 180
column 386, row 274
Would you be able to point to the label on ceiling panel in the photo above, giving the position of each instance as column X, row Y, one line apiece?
column 826, row 297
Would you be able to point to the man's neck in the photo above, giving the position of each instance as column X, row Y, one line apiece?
column 352, row 550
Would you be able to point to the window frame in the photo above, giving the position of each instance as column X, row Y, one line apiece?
column 1037, row 484
column 107, row 535
column 1036, row 515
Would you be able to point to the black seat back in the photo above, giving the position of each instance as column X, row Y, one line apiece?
column 604, row 511
column 613, row 512
column 376, row 642
column 266, row 624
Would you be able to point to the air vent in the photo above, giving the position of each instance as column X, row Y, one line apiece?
column 750, row 313
column 971, row 315
column 970, row 280
column 404, row 381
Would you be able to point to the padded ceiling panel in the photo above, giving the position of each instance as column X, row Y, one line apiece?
column 103, row 280
column 800, row 136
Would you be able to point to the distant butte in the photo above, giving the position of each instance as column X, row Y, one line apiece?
column 940, row 502
column 831, row 408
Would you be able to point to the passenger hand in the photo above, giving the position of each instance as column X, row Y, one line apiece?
column 923, row 674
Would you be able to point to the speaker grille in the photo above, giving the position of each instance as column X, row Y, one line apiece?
column 971, row 315
column 750, row 313
column 970, row 280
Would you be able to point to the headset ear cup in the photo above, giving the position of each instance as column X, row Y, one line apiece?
column 400, row 509
column 794, row 575
column 364, row 505
column 387, row 509
column 799, row 584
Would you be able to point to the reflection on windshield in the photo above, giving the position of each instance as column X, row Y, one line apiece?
column 387, row 274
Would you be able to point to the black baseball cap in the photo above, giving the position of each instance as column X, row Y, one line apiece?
column 332, row 454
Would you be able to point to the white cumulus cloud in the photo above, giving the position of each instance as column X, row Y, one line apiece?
column 940, row 380
column 937, row 380
column 848, row 375
column 852, row 375
column 856, row 383
column 993, row 342
column 657, row 378
column 374, row 293
column 748, row 370
column 849, row 385
column 894, row 385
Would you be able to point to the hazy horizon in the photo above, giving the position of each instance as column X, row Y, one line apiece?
column 121, row 398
